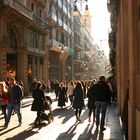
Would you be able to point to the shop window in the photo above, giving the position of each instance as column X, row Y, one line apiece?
column 32, row 6
column 11, row 65
column 30, row 68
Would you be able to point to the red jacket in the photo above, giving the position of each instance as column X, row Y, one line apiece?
column 4, row 98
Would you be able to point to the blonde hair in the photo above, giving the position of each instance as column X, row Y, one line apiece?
column 4, row 87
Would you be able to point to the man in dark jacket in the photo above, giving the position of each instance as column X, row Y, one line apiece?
column 102, row 95
column 14, row 97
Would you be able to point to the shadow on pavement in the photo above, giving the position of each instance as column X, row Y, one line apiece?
column 65, row 113
column 8, row 130
column 23, row 135
column 88, row 135
column 69, row 134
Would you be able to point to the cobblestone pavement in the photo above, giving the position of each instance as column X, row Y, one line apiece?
column 63, row 127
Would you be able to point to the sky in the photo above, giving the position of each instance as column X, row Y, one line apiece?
column 100, row 22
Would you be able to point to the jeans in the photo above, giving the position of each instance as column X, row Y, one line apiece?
column 100, row 113
column 3, row 108
column 16, row 108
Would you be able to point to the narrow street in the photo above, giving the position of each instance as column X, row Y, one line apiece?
column 63, row 127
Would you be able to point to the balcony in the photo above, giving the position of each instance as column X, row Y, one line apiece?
column 55, row 45
column 40, row 22
column 70, row 30
column 59, row 21
column 65, row 27
column 64, row 9
column 15, row 4
column 60, row 4
column 52, row 18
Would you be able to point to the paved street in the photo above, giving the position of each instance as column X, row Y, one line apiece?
column 63, row 127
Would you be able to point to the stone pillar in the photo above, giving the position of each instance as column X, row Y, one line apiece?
column 2, row 65
column 33, row 67
column 45, row 69
column 63, row 57
column 38, row 68
column 22, row 68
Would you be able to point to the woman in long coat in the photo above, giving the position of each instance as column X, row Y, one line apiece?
column 78, row 101
column 91, row 101
column 62, row 95
column 37, row 105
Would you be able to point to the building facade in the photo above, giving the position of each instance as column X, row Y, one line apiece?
column 23, row 32
column 37, row 41
column 60, row 40
column 124, row 44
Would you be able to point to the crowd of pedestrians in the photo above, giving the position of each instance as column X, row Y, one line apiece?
column 11, row 94
column 99, row 93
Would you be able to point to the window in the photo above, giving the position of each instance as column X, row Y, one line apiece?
column 50, row 33
column 12, row 38
column 42, row 42
column 40, row 13
column 32, row 6
column 50, row 8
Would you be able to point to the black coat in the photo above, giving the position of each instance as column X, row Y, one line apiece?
column 39, row 97
column 91, row 98
column 15, row 94
column 102, row 92
column 61, row 96
column 78, row 101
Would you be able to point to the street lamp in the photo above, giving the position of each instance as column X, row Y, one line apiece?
column 75, row 11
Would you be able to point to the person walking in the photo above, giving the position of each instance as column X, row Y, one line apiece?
column 78, row 100
column 14, row 101
column 62, row 95
column 70, row 92
column 37, row 105
column 102, row 96
column 91, row 101
column 110, row 82
column 3, row 99
column 56, row 88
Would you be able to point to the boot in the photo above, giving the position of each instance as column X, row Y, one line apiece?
column 76, row 119
column 79, row 119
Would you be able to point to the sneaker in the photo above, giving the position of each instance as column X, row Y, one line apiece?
column 76, row 120
column 79, row 119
